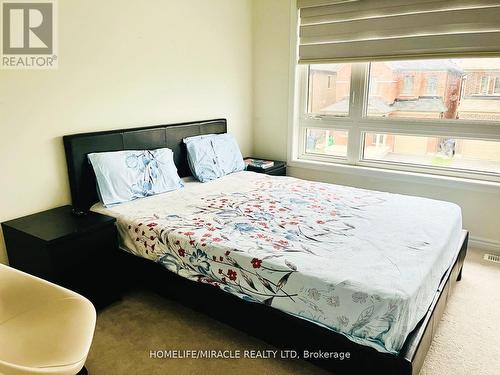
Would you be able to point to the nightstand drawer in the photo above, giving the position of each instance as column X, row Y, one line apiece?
column 277, row 172
column 94, row 248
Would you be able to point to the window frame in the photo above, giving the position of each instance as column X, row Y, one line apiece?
column 496, row 86
column 357, row 123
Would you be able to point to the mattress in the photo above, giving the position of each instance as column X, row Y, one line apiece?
column 362, row 263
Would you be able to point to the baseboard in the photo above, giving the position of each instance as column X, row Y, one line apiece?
column 484, row 244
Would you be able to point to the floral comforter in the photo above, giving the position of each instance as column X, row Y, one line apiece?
column 362, row 263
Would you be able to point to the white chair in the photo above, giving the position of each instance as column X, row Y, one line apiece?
column 44, row 328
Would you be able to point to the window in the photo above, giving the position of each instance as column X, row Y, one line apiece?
column 432, row 86
column 496, row 90
column 329, row 89
column 418, row 115
column 449, row 152
column 326, row 142
column 437, row 87
column 407, row 85
column 489, row 84
column 483, row 88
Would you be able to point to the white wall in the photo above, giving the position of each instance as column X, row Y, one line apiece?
column 271, row 57
column 121, row 64
column 481, row 210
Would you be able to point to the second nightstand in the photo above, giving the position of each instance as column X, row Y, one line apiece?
column 278, row 169
column 76, row 252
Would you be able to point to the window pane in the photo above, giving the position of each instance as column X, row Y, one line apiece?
column 466, row 89
column 408, row 85
column 432, row 85
column 444, row 152
column 326, row 142
column 329, row 88
column 497, row 86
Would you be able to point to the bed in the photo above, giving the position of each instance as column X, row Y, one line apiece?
column 365, row 272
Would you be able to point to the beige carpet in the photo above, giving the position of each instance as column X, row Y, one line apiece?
column 467, row 341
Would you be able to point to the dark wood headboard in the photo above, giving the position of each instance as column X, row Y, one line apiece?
column 81, row 176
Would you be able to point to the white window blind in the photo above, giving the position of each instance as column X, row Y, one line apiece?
column 361, row 30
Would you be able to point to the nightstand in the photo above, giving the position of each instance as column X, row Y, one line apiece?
column 76, row 252
column 278, row 169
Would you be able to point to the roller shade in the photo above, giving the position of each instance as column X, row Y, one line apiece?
column 358, row 30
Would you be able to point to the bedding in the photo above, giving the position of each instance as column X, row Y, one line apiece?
column 126, row 175
column 362, row 263
column 213, row 156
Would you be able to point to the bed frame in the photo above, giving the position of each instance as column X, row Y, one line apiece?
column 273, row 326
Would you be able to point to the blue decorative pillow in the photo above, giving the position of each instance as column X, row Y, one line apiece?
column 213, row 156
column 126, row 175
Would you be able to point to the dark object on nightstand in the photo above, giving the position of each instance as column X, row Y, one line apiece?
column 278, row 169
column 73, row 251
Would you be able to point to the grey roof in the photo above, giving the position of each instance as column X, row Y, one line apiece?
column 420, row 105
column 433, row 65
column 342, row 106
column 377, row 105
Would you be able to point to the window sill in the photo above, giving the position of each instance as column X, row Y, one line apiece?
column 399, row 175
